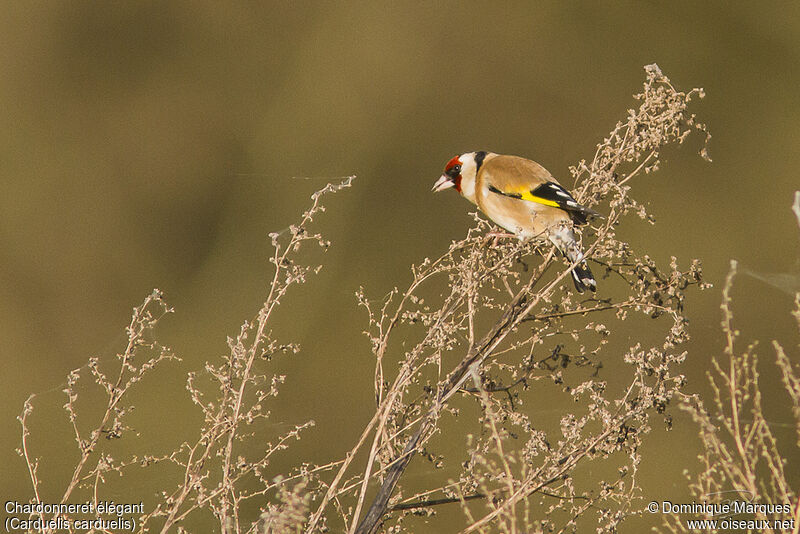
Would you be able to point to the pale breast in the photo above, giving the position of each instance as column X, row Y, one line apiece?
column 523, row 218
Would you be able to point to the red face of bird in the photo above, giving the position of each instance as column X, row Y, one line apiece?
column 451, row 176
column 460, row 173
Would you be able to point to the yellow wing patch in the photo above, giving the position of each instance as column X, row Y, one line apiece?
column 522, row 193
column 527, row 195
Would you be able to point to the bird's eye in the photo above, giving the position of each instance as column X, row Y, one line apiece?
column 454, row 171
column 457, row 169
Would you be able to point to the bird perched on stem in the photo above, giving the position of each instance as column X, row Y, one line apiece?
column 523, row 197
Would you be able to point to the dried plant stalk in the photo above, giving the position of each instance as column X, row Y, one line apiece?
column 93, row 462
column 741, row 460
column 218, row 476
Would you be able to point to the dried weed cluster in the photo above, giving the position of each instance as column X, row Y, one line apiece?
column 505, row 321
column 487, row 332
column 741, row 457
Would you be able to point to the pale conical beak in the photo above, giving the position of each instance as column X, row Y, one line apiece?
column 444, row 182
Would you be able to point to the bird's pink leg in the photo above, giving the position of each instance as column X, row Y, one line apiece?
column 496, row 236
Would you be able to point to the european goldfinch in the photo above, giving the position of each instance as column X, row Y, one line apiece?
column 523, row 197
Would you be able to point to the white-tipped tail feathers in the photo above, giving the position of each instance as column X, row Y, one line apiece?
column 564, row 239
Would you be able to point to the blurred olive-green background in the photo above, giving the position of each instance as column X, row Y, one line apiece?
column 156, row 144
